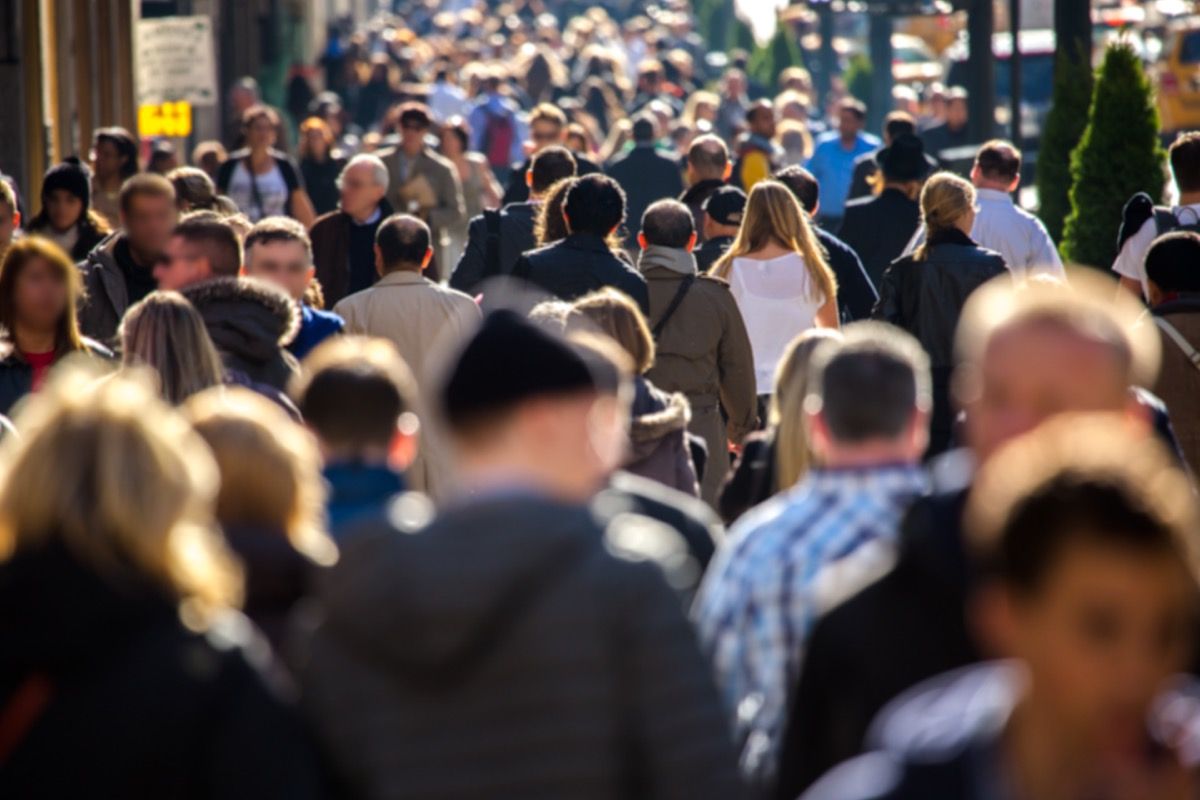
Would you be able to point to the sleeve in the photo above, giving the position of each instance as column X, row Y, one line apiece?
column 755, row 167
column 635, row 287
column 469, row 270
column 1130, row 262
column 291, row 175
column 674, row 718
column 858, row 294
column 735, row 365
column 224, row 174
column 516, row 182
column 888, row 307
column 345, row 310
column 916, row 241
column 450, row 208
column 1045, row 256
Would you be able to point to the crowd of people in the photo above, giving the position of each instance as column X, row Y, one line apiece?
column 570, row 416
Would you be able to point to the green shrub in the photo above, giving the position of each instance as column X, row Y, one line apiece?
column 858, row 77
column 1060, row 135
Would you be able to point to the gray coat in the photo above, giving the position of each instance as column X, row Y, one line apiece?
column 512, row 648
column 106, row 298
column 450, row 208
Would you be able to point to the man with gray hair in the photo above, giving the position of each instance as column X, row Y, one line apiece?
column 868, row 422
column 343, row 241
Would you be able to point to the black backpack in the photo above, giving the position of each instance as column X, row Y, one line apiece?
column 1141, row 208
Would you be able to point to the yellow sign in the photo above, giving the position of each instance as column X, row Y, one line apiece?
column 166, row 119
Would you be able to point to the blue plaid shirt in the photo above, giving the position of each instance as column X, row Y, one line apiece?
column 756, row 607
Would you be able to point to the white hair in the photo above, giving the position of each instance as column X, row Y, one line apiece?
column 379, row 170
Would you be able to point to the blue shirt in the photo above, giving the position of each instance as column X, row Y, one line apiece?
column 358, row 492
column 833, row 167
column 315, row 327
column 757, row 605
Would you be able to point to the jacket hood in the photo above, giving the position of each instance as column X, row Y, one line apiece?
column 246, row 317
column 430, row 601
column 656, row 415
column 675, row 259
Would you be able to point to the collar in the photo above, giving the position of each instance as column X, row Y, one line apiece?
column 994, row 196
column 371, row 220
column 585, row 241
column 891, row 478
column 673, row 258
column 401, row 277
column 951, row 236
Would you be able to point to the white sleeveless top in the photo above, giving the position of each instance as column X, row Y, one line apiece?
column 778, row 302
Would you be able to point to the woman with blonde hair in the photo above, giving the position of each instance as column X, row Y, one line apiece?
column 924, row 293
column 271, row 504
column 775, row 460
column 165, row 333
column 120, row 643
column 777, row 271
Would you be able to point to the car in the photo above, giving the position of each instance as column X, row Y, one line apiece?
column 913, row 61
column 1177, row 77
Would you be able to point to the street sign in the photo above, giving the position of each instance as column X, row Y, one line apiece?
column 166, row 119
column 175, row 61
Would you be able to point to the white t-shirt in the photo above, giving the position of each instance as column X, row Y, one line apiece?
column 272, row 192
column 778, row 303
column 1131, row 261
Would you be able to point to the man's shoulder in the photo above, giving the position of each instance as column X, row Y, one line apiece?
column 440, row 161
column 327, row 221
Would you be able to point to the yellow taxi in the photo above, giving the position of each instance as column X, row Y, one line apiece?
column 1178, row 78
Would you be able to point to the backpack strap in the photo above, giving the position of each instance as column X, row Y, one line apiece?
column 491, row 221
column 684, row 286
column 1178, row 338
column 1165, row 220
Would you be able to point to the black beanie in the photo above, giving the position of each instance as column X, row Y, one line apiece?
column 74, row 178
column 509, row 360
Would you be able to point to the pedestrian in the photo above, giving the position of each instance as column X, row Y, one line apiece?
column 895, row 124
column 10, row 217
column 195, row 191
column 163, row 157
column 163, row 333
column 320, row 164
column 722, row 213
column 924, row 293
column 480, row 189
column 203, row 246
column 1080, row 519
column 271, row 504
column 593, row 209
column 567, row 623
column 368, row 449
column 151, row 678
column 777, row 272
column 261, row 180
column 1175, row 311
column 1000, row 224
column 39, row 294
column 120, row 270
column 498, row 132
column 547, row 128
column 423, row 183
column 1024, row 354
column 708, row 168
column 856, row 292
column 343, row 241
column 879, row 227
column 832, row 162
column 67, row 218
column 953, row 132
column 867, row 420
column 645, row 175
column 703, row 350
column 658, row 442
column 774, row 460
column 114, row 160
column 209, row 155
column 497, row 238
column 757, row 154
column 278, row 251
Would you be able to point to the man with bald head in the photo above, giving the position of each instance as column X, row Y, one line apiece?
column 343, row 241
column 708, row 168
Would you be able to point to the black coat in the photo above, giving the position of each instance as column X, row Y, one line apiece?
column 646, row 176
column 511, row 648
column 694, row 196
column 878, row 229
column 138, row 704
column 856, row 291
column 320, row 179
column 515, row 238
column 517, row 190
column 865, row 166
column 753, row 478
column 712, row 249
column 580, row 264
column 16, row 376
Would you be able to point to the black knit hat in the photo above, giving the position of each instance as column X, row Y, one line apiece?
column 73, row 177
column 726, row 205
column 509, row 360
column 904, row 159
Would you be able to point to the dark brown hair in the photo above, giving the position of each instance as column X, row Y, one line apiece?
column 67, row 338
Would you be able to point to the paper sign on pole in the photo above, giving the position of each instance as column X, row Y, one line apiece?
column 175, row 61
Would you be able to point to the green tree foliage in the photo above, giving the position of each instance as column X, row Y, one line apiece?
column 1119, row 155
column 858, row 77
column 782, row 52
column 1060, row 135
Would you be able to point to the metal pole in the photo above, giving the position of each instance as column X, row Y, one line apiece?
column 1014, row 71
column 981, row 70
column 880, row 22
column 827, row 59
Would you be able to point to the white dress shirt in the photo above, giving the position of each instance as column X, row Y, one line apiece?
column 1131, row 261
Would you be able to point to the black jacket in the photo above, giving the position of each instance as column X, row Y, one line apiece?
column 514, row 236
column 144, row 706
column 689, row 516
column 915, row 618
column 856, row 291
column 694, row 196
column 251, row 323
column 646, row 176
column 511, row 648
column 277, row 576
column 708, row 253
column 878, row 229
column 753, row 478
column 579, row 264
column 517, row 190
column 16, row 376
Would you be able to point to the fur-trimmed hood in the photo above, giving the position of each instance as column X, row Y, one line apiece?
column 656, row 415
column 246, row 308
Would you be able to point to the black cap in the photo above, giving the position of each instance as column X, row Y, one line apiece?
column 509, row 360
column 726, row 205
column 904, row 159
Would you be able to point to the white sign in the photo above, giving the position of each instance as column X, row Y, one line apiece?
column 175, row 61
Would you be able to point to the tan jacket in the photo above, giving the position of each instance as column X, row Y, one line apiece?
column 1179, row 380
column 426, row 322
column 434, row 187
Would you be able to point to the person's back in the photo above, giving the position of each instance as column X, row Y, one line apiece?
column 645, row 174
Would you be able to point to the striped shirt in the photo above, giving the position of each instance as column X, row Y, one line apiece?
column 757, row 605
